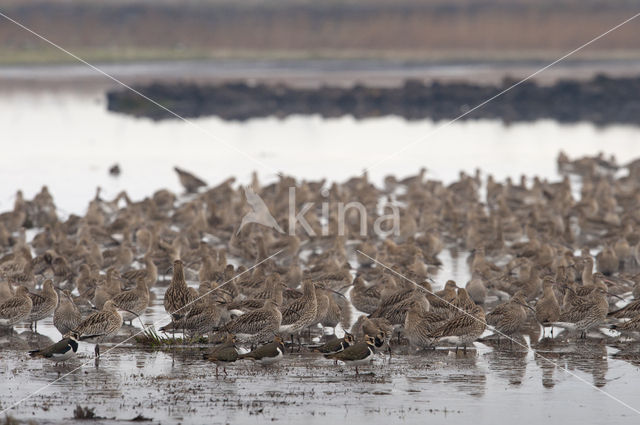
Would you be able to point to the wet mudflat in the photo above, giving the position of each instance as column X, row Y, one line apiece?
column 496, row 381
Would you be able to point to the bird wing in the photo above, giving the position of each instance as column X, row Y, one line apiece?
column 267, row 350
column 124, row 298
column 224, row 354
column 132, row 275
column 36, row 299
column 97, row 324
column 249, row 323
column 12, row 306
column 579, row 307
column 291, row 314
column 355, row 352
column 59, row 347
column 456, row 326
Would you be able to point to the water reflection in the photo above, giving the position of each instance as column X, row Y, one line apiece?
column 508, row 359
column 584, row 356
column 44, row 127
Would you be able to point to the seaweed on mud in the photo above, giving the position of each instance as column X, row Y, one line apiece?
column 151, row 338
column 84, row 413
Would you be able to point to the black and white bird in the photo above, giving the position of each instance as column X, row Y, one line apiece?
column 61, row 351
column 358, row 354
column 268, row 353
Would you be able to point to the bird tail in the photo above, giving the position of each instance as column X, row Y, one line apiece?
column 85, row 337
column 614, row 313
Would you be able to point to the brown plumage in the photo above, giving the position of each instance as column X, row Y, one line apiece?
column 44, row 303
column 373, row 326
column 547, row 308
column 190, row 182
column 630, row 310
column 135, row 301
column 204, row 317
column 149, row 273
column 366, row 299
column 178, row 297
column 223, row 353
column 302, row 312
column 17, row 308
column 6, row 291
column 629, row 327
column 100, row 325
column 585, row 313
column 420, row 323
column 109, row 288
column 462, row 329
column 66, row 316
column 508, row 318
column 258, row 325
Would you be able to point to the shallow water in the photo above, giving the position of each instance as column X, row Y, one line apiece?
column 68, row 140
column 496, row 382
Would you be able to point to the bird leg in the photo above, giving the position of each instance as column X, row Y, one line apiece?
column 464, row 349
column 97, row 350
column 216, row 371
column 224, row 369
column 357, row 371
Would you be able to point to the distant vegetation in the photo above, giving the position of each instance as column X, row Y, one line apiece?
column 431, row 29
column 602, row 100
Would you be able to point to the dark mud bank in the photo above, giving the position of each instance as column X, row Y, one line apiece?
column 602, row 100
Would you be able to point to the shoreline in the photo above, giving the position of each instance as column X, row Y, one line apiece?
column 303, row 73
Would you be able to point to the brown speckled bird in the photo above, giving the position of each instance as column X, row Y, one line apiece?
column 190, row 182
column 99, row 326
column 547, row 307
column 258, row 325
column 301, row 313
column 133, row 302
column 17, row 308
column 585, row 313
column 43, row 304
column 66, row 316
column 508, row 318
column 462, row 329
column 178, row 298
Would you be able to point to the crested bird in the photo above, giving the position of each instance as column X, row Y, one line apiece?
column 358, row 354
column 61, row 351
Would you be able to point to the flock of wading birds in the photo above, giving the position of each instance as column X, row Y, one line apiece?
column 530, row 247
